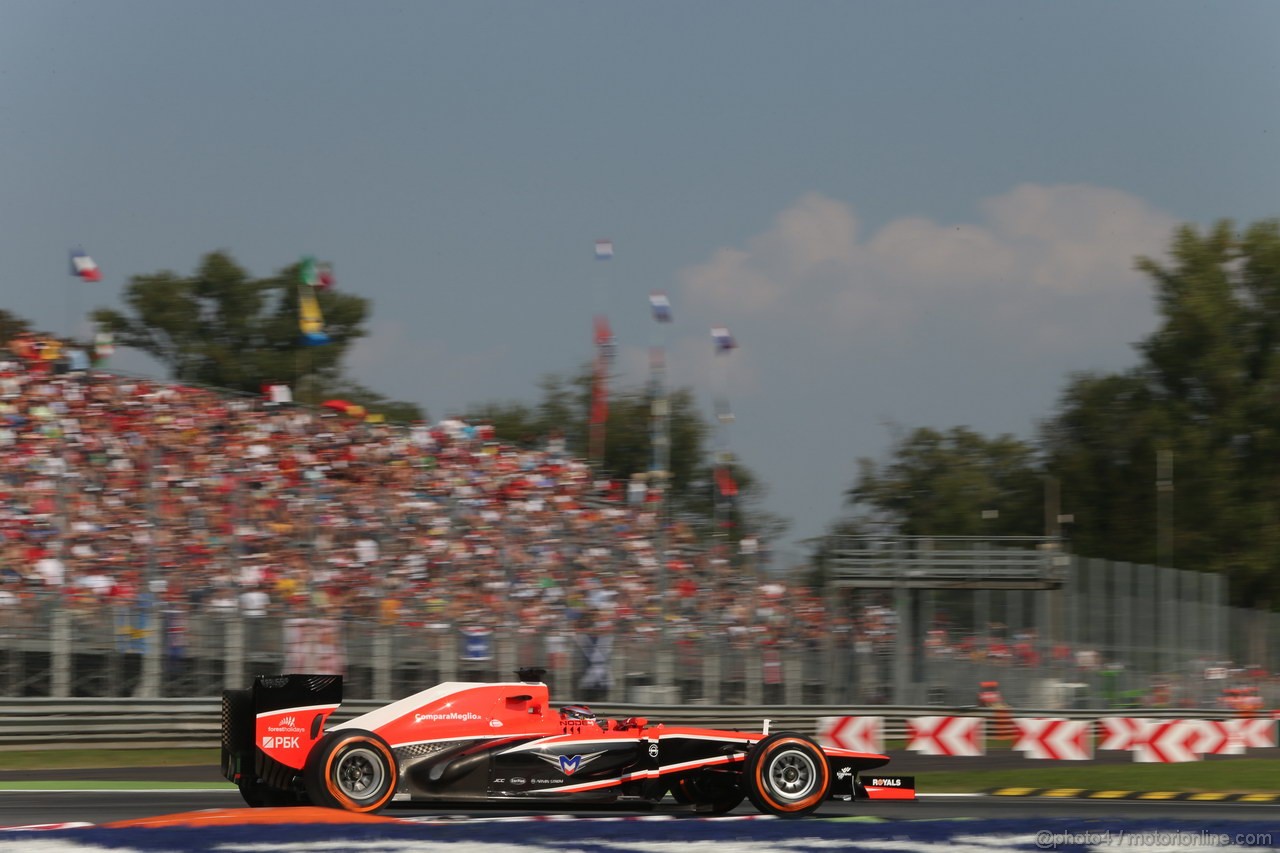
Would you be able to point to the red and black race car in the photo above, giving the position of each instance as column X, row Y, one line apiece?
column 462, row 741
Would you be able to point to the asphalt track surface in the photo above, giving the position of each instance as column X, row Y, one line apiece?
column 33, row 805
column 23, row 808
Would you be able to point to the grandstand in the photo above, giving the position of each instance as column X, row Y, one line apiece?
column 161, row 539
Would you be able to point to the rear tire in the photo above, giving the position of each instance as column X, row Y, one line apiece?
column 787, row 775
column 351, row 769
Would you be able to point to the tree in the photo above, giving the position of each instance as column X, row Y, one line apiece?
column 564, row 411
column 11, row 326
column 942, row 484
column 221, row 328
column 1102, row 446
column 1206, row 396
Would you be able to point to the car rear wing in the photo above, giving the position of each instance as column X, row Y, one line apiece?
column 274, row 723
column 290, row 692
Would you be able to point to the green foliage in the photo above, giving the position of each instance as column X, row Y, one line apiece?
column 1102, row 447
column 1237, row 774
column 1206, row 394
column 942, row 483
column 564, row 410
column 11, row 326
column 221, row 328
column 628, row 450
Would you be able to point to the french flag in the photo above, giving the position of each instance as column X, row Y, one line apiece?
column 661, row 306
column 83, row 267
column 604, row 250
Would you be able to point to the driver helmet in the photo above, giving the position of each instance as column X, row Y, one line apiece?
column 577, row 713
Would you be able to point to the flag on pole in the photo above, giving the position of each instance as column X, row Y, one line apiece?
column 723, row 340
column 324, row 276
column 317, row 274
column 725, row 484
column 310, row 320
column 604, row 250
column 307, row 271
column 661, row 306
column 83, row 267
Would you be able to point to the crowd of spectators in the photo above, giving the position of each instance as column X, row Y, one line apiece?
column 113, row 488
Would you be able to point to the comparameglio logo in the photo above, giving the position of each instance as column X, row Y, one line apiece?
column 452, row 716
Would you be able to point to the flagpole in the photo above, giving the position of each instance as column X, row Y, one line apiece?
column 66, row 319
column 598, row 416
column 82, row 269
column 660, row 479
column 723, row 345
column 69, row 310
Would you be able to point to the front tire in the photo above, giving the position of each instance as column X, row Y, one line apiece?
column 787, row 775
column 351, row 769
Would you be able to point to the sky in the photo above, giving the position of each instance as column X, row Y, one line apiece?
column 910, row 213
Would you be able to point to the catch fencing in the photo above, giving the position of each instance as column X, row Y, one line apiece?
column 1115, row 636
column 47, row 723
column 1045, row 629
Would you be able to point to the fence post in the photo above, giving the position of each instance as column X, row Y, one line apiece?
column 837, row 668
column 619, row 682
column 504, row 653
column 382, row 662
column 753, row 674
column 60, row 652
column 902, row 675
column 233, row 671
column 711, row 674
column 795, row 672
column 448, row 640
column 152, row 650
column 1123, row 596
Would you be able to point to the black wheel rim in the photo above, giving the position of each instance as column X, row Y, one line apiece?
column 792, row 775
column 360, row 774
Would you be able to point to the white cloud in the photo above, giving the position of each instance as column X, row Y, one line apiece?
column 1031, row 249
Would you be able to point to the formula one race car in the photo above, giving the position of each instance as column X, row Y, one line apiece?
column 462, row 741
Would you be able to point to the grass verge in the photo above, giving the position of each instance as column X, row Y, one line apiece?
column 96, row 785
column 1253, row 775
column 78, row 759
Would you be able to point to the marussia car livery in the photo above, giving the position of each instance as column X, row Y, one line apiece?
column 463, row 741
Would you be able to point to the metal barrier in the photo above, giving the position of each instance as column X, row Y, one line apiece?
column 194, row 723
